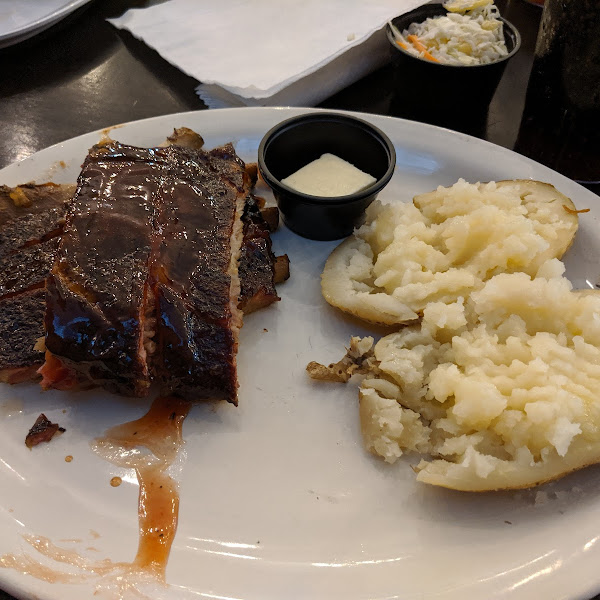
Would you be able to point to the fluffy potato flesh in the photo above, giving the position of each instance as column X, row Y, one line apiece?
column 445, row 245
column 499, row 392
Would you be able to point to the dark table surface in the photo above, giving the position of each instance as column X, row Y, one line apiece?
column 83, row 74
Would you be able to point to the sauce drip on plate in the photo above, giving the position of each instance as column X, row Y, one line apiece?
column 149, row 445
column 159, row 431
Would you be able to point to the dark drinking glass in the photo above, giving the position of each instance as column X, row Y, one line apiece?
column 561, row 119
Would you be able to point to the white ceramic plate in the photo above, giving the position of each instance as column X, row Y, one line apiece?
column 278, row 498
column 22, row 19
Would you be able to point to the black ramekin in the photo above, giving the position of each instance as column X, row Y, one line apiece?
column 298, row 141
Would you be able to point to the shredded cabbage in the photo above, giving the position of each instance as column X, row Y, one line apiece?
column 472, row 37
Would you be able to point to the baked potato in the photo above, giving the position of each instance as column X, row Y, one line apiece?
column 445, row 245
column 498, row 392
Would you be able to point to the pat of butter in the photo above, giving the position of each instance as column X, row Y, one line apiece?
column 329, row 176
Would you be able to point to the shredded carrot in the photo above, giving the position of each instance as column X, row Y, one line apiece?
column 401, row 44
column 414, row 40
column 575, row 212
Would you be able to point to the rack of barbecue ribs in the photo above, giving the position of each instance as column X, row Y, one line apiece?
column 31, row 222
column 159, row 253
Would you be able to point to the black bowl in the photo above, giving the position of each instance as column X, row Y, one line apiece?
column 298, row 141
column 442, row 93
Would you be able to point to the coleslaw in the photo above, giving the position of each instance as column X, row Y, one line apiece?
column 471, row 33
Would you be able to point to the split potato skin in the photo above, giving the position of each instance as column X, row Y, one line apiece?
column 500, row 391
column 444, row 245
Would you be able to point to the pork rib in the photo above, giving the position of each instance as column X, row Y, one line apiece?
column 150, row 230
column 31, row 213
column 197, row 290
column 31, row 218
column 97, row 289
column 256, row 261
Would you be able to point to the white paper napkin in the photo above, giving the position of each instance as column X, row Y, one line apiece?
column 268, row 52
